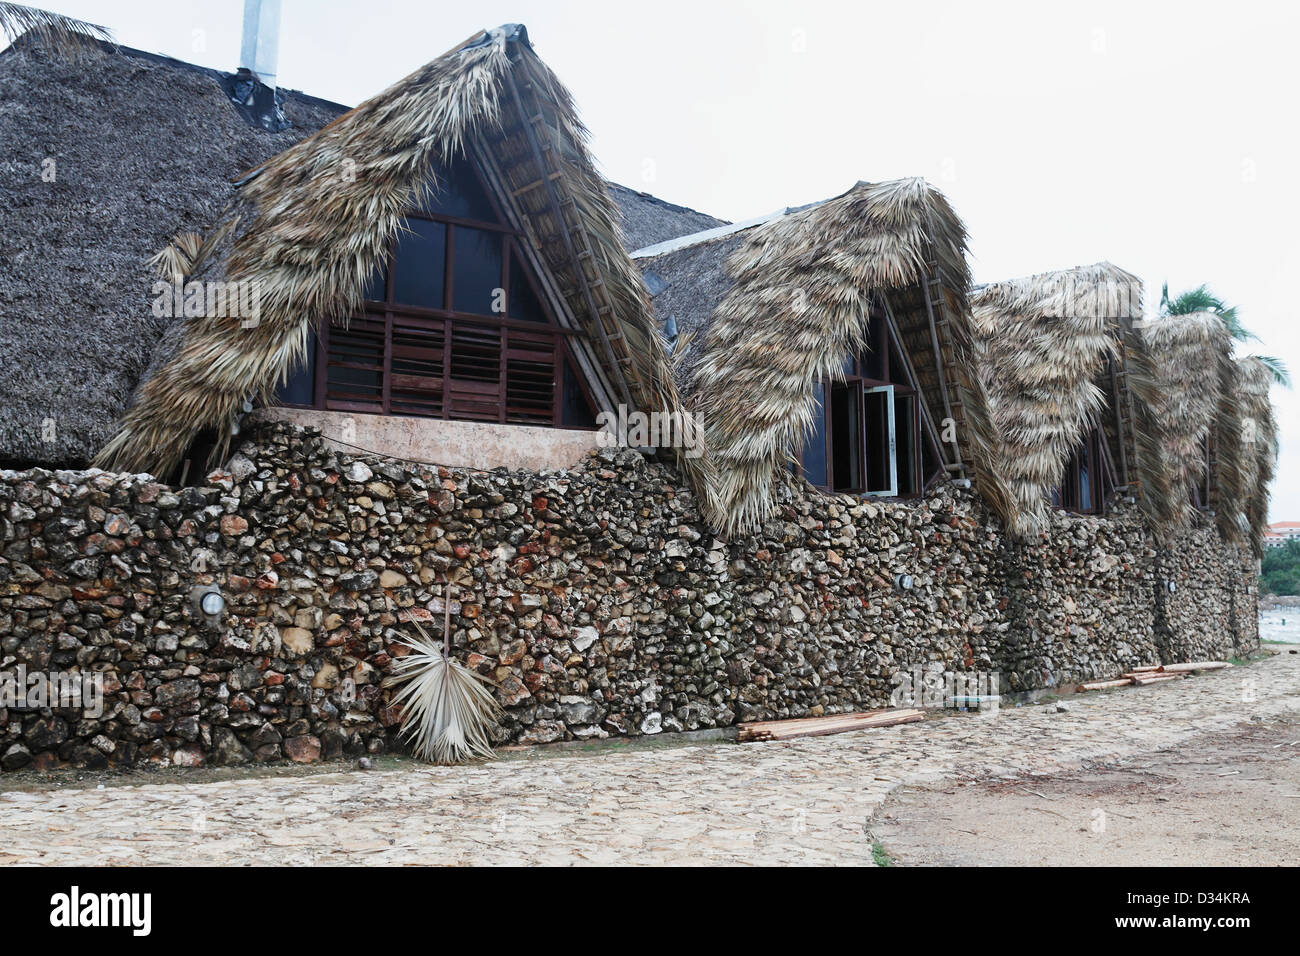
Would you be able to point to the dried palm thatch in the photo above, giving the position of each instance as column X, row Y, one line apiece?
column 189, row 253
column 63, row 36
column 1184, row 372
column 1044, row 346
column 446, row 707
column 804, row 285
column 319, row 217
column 1258, row 454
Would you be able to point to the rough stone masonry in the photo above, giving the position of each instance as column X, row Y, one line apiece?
column 594, row 599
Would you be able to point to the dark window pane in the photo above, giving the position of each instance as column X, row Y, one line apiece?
column 846, row 439
column 813, row 456
column 905, row 437
column 374, row 288
column 458, row 194
column 477, row 271
column 523, row 304
column 880, row 475
column 419, row 264
column 575, row 412
column 300, row 388
column 874, row 359
column 1085, row 479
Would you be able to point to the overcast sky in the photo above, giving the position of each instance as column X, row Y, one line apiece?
column 1159, row 136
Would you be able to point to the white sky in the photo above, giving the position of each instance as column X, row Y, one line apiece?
column 1160, row 136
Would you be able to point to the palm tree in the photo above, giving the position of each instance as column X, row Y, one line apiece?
column 64, row 36
column 1201, row 299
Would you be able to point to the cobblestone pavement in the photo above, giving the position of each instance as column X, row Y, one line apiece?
column 805, row 801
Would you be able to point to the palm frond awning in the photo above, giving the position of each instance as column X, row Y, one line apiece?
column 804, row 284
column 316, row 220
column 1051, row 350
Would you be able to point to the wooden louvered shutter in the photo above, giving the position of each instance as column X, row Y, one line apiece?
column 474, row 383
column 530, row 373
column 416, row 370
column 355, row 366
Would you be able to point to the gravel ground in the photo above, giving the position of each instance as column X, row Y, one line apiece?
column 813, row 801
column 1222, row 799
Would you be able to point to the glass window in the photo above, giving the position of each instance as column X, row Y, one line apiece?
column 523, row 304
column 576, row 411
column 299, row 388
column 374, row 290
column 419, row 263
column 905, row 437
column 459, row 195
column 874, row 358
column 846, row 438
column 813, row 455
column 476, row 272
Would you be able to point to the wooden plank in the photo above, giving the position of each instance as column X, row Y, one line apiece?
column 1155, row 679
column 1106, row 684
column 822, row 726
column 1193, row 666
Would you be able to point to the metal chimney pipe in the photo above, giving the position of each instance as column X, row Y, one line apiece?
column 260, row 51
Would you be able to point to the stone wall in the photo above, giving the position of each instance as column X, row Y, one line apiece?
column 1082, row 602
column 594, row 598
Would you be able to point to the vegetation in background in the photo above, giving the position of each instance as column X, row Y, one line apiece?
column 1280, row 570
column 1201, row 299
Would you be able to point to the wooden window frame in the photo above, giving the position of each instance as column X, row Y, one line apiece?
column 858, row 384
column 1068, row 487
column 392, row 314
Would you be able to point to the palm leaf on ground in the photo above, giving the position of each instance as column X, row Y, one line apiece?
column 446, row 707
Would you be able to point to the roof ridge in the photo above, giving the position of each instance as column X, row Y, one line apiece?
column 676, row 207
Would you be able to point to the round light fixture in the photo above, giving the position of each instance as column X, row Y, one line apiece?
column 903, row 582
column 208, row 601
column 1171, row 586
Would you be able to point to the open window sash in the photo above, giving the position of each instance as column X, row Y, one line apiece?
column 882, row 473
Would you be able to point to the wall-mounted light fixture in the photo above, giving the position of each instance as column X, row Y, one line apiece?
column 903, row 582
column 209, row 601
column 1171, row 586
column 961, row 482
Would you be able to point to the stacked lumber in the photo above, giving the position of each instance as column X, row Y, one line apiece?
column 1194, row 666
column 1106, row 684
column 820, row 726
column 1143, row 679
column 1154, row 674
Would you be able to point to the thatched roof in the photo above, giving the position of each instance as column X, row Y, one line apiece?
column 1258, row 453
column 311, row 238
column 645, row 219
column 687, row 285
column 795, row 297
column 1184, row 373
column 143, row 146
column 1047, row 348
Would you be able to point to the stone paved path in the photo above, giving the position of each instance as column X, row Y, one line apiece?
column 803, row 801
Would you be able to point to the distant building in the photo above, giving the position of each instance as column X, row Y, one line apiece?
column 1280, row 533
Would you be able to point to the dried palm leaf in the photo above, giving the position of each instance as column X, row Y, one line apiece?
column 446, row 707
column 63, row 36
